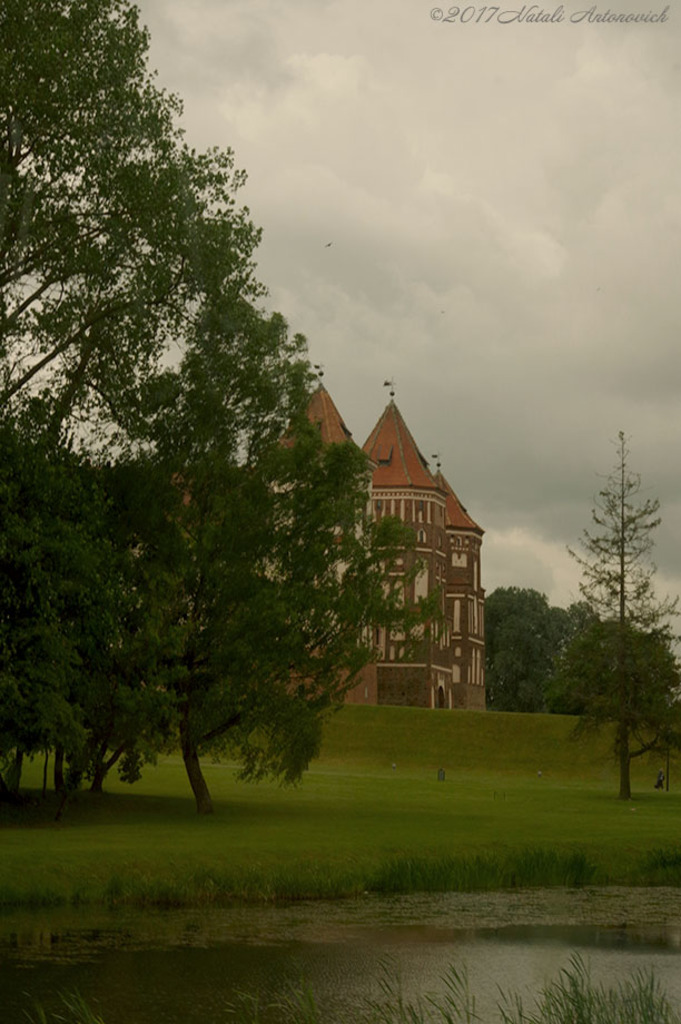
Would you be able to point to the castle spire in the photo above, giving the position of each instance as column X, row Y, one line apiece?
column 399, row 463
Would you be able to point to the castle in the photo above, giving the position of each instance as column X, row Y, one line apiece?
column 449, row 669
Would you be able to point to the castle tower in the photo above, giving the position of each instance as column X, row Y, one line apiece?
column 403, row 486
column 446, row 670
column 322, row 411
column 465, row 602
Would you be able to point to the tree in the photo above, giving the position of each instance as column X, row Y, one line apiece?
column 129, row 321
column 590, row 676
column 73, row 635
column 47, row 578
column 632, row 643
column 112, row 232
column 524, row 636
column 272, row 574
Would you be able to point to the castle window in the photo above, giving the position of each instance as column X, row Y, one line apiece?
column 457, row 616
column 422, row 536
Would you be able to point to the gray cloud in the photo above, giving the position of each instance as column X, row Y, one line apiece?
column 506, row 217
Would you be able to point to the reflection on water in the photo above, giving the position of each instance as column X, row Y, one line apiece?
column 187, row 966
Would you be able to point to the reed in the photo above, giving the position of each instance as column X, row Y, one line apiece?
column 572, row 998
column 525, row 868
column 75, row 1011
column 662, row 866
column 396, row 874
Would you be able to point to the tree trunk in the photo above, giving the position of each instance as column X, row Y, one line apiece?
column 13, row 775
column 103, row 767
column 625, row 763
column 204, row 804
column 59, row 785
column 98, row 778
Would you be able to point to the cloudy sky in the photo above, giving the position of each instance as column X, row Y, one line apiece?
column 503, row 198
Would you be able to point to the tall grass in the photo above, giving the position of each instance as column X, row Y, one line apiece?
column 75, row 1011
column 572, row 998
column 506, row 870
column 662, row 866
column 396, row 874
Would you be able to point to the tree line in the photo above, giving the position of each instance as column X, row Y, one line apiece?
column 171, row 573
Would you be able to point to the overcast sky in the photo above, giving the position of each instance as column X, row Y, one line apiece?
column 503, row 199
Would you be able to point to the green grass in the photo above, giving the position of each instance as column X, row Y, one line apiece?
column 356, row 823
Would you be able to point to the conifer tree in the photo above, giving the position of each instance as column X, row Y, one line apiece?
column 622, row 668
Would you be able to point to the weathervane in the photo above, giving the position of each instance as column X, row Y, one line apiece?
column 436, row 456
column 320, row 370
column 390, row 384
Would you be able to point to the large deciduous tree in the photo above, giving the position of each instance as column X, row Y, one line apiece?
column 273, row 575
column 624, row 669
column 112, row 232
column 524, row 637
column 129, row 318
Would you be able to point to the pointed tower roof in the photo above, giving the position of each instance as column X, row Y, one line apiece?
column 457, row 516
column 399, row 463
column 322, row 411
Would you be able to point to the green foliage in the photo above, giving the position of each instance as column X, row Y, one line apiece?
column 113, row 234
column 524, row 636
column 642, row 699
column 49, row 567
column 272, row 578
column 237, row 576
column 73, row 639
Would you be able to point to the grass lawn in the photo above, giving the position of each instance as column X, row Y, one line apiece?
column 356, row 822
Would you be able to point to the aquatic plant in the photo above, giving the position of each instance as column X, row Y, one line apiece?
column 572, row 998
column 76, row 1011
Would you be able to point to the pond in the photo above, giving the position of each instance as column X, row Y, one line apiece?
column 188, row 966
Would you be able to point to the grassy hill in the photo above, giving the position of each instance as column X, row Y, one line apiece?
column 521, row 804
column 465, row 741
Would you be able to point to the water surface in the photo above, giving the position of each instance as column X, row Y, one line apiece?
column 189, row 966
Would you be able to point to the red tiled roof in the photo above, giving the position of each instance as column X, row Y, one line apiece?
column 323, row 412
column 457, row 515
column 399, row 463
